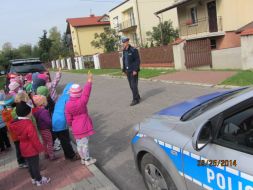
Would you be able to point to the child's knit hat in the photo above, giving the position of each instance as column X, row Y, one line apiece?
column 13, row 86
column 43, row 90
column 28, row 88
column 75, row 91
column 28, row 77
column 17, row 79
column 40, row 100
column 43, row 76
column 23, row 109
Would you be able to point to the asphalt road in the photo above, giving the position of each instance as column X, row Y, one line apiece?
column 113, row 119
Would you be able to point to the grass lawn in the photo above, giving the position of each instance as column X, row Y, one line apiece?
column 149, row 73
column 96, row 71
column 2, row 82
column 145, row 73
column 242, row 78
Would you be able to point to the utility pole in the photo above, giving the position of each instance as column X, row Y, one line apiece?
column 161, row 28
column 139, row 22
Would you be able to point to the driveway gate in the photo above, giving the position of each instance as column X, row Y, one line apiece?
column 198, row 53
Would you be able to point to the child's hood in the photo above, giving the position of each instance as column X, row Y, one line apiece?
column 66, row 89
column 18, row 126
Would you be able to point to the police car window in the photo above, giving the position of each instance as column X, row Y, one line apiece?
column 237, row 131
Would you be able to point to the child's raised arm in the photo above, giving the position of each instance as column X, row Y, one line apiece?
column 87, row 89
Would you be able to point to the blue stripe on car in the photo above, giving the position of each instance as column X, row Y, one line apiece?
column 180, row 109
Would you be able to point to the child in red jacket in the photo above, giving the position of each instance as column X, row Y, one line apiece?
column 30, row 145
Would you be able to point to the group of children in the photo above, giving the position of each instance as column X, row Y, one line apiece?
column 32, row 110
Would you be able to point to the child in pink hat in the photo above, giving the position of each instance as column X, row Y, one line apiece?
column 78, row 118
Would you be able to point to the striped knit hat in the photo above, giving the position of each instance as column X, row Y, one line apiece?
column 75, row 91
column 40, row 100
column 14, row 86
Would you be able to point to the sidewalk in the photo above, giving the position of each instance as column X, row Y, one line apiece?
column 64, row 174
column 197, row 77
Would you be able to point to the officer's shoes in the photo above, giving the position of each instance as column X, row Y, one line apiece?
column 134, row 102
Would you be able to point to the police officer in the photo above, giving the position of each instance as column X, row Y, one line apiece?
column 131, row 67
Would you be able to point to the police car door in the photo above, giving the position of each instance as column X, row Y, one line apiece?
column 226, row 162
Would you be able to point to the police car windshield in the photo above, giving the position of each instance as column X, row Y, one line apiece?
column 198, row 110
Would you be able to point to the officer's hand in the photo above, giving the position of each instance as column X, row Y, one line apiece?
column 134, row 73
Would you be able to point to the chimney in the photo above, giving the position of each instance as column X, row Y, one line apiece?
column 92, row 15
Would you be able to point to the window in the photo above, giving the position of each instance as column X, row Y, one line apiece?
column 116, row 22
column 237, row 131
column 134, row 39
column 194, row 15
column 213, row 43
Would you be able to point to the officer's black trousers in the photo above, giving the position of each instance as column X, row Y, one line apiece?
column 133, row 83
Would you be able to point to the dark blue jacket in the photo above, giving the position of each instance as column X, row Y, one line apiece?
column 58, row 120
column 133, row 60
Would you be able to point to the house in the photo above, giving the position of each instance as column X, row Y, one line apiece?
column 217, row 20
column 82, row 32
column 133, row 18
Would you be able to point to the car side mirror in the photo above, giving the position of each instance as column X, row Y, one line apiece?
column 202, row 136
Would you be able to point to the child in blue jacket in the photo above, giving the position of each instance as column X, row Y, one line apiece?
column 60, row 127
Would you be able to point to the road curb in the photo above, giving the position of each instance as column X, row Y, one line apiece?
column 180, row 82
column 99, row 175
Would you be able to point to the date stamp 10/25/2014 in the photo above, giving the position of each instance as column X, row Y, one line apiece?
column 206, row 162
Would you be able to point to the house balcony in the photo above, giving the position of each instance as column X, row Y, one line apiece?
column 203, row 27
column 127, row 25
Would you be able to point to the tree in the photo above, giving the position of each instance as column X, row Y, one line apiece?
column 163, row 34
column 36, row 52
column 66, row 49
column 109, row 40
column 9, row 52
column 3, row 61
column 55, row 37
column 45, row 44
column 25, row 51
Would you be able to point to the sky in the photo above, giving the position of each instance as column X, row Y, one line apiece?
column 23, row 21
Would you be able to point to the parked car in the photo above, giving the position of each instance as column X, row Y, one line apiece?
column 22, row 67
column 2, row 72
column 204, row 143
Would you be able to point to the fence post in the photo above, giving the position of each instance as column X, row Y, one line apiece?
column 121, row 59
column 57, row 63
column 69, row 63
column 178, row 53
column 81, row 62
column 53, row 64
column 63, row 63
column 247, row 49
column 96, row 61
column 76, row 63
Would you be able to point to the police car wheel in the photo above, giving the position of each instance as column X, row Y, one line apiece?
column 154, row 174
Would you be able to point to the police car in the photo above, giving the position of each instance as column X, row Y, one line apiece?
column 203, row 143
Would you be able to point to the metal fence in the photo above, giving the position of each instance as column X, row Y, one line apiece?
column 109, row 60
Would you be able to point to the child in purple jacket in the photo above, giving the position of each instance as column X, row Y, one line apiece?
column 44, row 125
column 78, row 118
